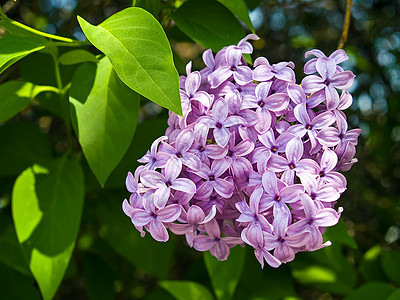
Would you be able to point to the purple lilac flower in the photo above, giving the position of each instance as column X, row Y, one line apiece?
column 310, row 126
column 329, row 80
column 220, row 122
column 163, row 184
column 194, row 217
column 180, row 152
column 283, row 240
column 264, row 104
column 313, row 220
column 218, row 246
column 264, row 71
column 242, row 74
column 253, row 235
column 293, row 162
column 256, row 158
column 213, row 182
column 152, row 158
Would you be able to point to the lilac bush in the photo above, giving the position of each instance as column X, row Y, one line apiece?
column 254, row 159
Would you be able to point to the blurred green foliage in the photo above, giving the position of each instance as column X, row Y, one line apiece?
column 110, row 259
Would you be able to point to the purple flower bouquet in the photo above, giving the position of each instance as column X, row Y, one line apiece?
column 255, row 159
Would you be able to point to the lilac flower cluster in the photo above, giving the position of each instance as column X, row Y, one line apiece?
column 254, row 159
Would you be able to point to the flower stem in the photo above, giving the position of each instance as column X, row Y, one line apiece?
column 62, row 95
column 346, row 24
column 40, row 33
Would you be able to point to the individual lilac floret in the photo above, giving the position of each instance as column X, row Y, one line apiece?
column 314, row 219
column 164, row 184
column 220, row 122
column 218, row 246
column 241, row 74
column 256, row 158
column 328, row 81
column 264, row 71
column 337, row 56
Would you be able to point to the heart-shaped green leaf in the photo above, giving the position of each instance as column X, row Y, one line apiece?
column 46, row 206
column 139, row 50
column 104, row 114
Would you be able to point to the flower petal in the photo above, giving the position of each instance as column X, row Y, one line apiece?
column 169, row 213
column 158, row 231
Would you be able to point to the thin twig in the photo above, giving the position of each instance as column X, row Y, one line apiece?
column 346, row 24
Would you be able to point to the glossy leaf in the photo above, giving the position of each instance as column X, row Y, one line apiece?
column 22, row 145
column 239, row 9
column 106, row 113
column 225, row 275
column 209, row 23
column 183, row 290
column 371, row 291
column 47, row 206
column 76, row 57
column 15, row 95
column 14, row 47
column 140, row 52
column 118, row 231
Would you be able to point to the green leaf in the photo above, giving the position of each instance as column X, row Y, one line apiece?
column 30, row 65
column 225, row 274
column 22, row 145
column 152, row 6
column 140, row 52
column 122, row 236
column 391, row 265
column 209, row 23
column 280, row 283
column 239, row 9
column 371, row 291
column 99, row 278
column 370, row 266
column 146, row 132
column 395, row 295
column 326, row 269
column 15, row 286
column 76, row 57
column 46, row 207
column 338, row 234
column 183, row 290
column 11, row 253
column 106, row 113
column 14, row 47
column 15, row 95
